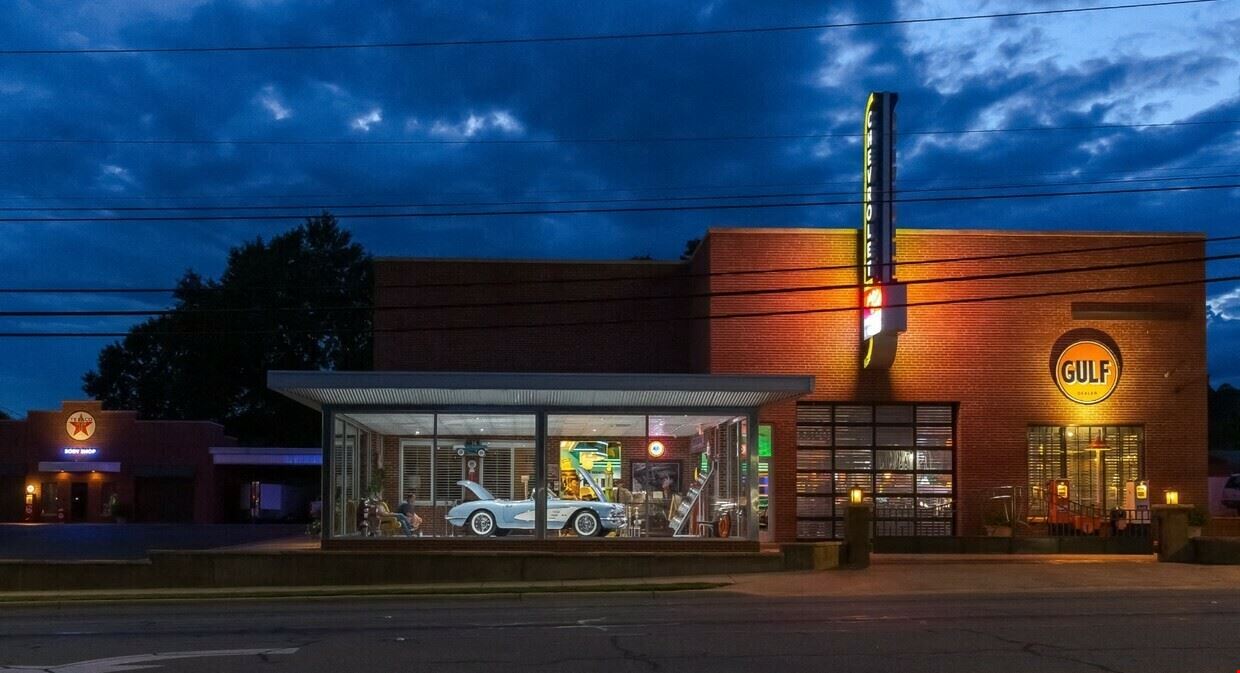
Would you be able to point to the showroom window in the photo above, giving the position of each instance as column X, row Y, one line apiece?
column 416, row 464
column 1097, row 461
column 902, row 457
column 647, row 476
column 416, row 475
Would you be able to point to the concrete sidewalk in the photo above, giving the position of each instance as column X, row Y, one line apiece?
column 989, row 575
column 983, row 575
column 479, row 589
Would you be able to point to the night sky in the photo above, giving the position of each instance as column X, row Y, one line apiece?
column 1139, row 66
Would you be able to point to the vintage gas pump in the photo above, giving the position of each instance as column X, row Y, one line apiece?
column 471, row 454
column 1058, row 514
column 1137, row 501
column 30, row 502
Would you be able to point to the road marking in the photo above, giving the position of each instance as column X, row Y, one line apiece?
column 585, row 624
column 133, row 662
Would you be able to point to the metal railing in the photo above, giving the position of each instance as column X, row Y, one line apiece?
column 1030, row 514
column 1082, row 519
column 915, row 521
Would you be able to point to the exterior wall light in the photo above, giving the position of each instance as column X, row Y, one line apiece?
column 1172, row 497
column 30, row 489
column 854, row 495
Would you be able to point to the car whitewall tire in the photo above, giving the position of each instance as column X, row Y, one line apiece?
column 481, row 523
column 587, row 524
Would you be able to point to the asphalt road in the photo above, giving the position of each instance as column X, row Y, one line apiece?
column 686, row 633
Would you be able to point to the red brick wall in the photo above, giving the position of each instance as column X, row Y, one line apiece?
column 992, row 358
column 120, row 437
column 647, row 345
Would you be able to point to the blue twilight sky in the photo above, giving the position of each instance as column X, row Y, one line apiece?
column 1133, row 66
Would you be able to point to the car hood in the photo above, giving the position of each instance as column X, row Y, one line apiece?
column 476, row 488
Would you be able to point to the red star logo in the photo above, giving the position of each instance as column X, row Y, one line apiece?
column 80, row 426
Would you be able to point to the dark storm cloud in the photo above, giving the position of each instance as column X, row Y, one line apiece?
column 802, row 83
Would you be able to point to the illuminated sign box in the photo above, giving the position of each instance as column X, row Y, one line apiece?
column 79, row 451
column 883, row 298
column 1087, row 371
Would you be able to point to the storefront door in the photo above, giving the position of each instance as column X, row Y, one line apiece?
column 78, row 494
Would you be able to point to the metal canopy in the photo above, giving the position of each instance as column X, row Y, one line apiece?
column 317, row 389
column 78, row 466
column 266, row 455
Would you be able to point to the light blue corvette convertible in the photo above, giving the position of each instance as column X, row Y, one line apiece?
column 488, row 516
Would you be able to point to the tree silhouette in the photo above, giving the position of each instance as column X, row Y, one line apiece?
column 299, row 301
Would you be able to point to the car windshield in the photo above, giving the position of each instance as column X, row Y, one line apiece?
column 1234, row 482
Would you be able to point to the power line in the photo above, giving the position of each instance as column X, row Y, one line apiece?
column 653, row 319
column 565, row 39
column 633, row 189
column 853, row 287
column 636, row 209
column 404, row 142
column 650, row 199
column 687, row 276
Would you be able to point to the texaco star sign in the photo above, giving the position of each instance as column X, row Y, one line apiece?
column 80, row 425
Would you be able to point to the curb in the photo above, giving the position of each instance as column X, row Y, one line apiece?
column 44, row 598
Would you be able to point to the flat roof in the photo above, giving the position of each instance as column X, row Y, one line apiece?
column 266, row 455
column 317, row 389
column 1065, row 233
column 823, row 231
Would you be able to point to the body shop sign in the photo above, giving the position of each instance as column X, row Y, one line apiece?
column 1086, row 371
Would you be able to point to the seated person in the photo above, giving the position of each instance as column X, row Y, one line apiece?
column 383, row 513
column 412, row 521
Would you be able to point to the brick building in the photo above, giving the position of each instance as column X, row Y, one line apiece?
column 974, row 410
column 84, row 464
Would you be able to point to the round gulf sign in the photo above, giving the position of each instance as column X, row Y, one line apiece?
column 80, row 425
column 1087, row 372
column 656, row 449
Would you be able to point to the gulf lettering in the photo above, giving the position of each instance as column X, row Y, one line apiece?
column 1086, row 371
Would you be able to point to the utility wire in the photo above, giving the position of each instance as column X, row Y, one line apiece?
column 851, row 287
column 633, row 189
column 686, row 276
column 403, row 142
column 565, row 39
column 648, row 320
column 648, row 199
column 636, row 209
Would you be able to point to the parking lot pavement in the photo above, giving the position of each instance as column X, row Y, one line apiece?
column 87, row 541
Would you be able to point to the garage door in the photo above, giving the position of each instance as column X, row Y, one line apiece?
column 901, row 456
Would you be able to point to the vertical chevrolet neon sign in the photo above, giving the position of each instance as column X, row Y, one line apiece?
column 882, row 300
